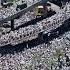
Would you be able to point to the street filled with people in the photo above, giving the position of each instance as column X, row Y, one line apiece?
column 11, row 10
column 6, row 12
column 54, row 55
column 24, row 18
column 31, row 32
column 51, row 55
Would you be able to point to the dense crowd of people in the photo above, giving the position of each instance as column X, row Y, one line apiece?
column 24, row 18
column 55, row 55
column 51, row 56
column 6, row 12
column 31, row 32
